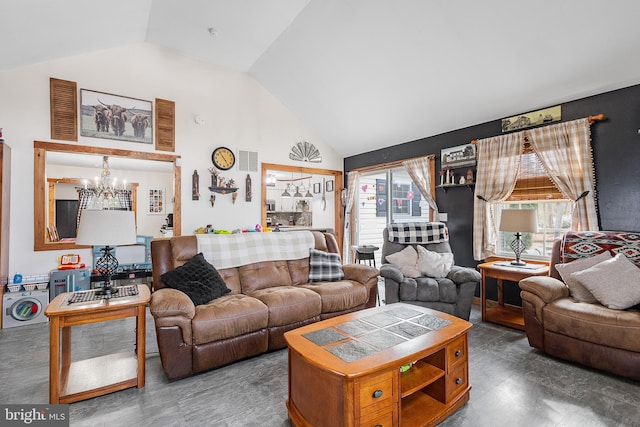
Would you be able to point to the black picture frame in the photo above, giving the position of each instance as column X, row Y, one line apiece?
column 329, row 185
column 317, row 188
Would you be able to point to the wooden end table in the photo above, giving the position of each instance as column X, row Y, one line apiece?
column 506, row 315
column 74, row 381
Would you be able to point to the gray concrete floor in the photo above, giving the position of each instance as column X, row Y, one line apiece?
column 513, row 384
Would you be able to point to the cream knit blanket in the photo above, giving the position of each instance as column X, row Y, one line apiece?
column 233, row 250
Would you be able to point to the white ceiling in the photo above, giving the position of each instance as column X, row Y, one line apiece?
column 363, row 74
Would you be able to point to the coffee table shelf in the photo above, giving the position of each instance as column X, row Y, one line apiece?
column 418, row 376
column 420, row 409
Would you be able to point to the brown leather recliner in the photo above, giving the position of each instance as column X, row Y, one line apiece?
column 587, row 333
column 266, row 300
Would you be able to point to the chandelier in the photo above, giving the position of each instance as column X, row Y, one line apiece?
column 104, row 192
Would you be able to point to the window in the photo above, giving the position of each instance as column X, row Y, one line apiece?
column 535, row 190
column 405, row 198
column 554, row 219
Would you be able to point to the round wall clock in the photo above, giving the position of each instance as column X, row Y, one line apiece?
column 223, row 158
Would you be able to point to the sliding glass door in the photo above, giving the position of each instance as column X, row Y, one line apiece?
column 382, row 197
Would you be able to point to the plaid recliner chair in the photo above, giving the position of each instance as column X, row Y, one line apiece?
column 451, row 293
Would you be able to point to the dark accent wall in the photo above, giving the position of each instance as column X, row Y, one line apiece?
column 616, row 150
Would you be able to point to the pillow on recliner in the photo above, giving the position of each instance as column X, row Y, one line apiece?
column 406, row 260
column 615, row 283
column 577, row 291
column 193, row 277
column 434, row 264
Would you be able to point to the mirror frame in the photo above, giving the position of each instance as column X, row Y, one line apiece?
column 338, row 214
column 40, row 186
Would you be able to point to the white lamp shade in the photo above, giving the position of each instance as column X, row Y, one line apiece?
column 519, row 221
column 106, row 228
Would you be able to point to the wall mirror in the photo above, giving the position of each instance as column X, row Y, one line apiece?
column 296, row 197
column 60, row 168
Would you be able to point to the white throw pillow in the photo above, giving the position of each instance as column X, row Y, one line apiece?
column 615, row 283
column 434, row 264
column 406, row 261
column 577, row 291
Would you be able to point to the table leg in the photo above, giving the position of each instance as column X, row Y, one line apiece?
column 500, row 293
column 483, row 296
column 140, row 343
column 54, row 360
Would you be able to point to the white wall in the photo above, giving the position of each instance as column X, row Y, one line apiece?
column 238, row 113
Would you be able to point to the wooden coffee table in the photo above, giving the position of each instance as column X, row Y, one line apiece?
column 346, row 371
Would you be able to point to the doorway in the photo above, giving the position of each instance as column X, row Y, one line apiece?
column 66, row 215
column 385, row 196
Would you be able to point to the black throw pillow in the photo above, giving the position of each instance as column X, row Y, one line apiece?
column 198, row 292
column 195, row 275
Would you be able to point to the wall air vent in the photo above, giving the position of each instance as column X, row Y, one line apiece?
column 248, row 161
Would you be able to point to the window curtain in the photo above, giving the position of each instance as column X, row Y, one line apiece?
column 496, row 176
column 84, row 198
column 352, row 178
column 564, row 150
column 124, row 197
column 420, row 173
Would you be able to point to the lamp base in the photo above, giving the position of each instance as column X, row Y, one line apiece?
column 518, row 247
column 107, row 291
column 107, row 265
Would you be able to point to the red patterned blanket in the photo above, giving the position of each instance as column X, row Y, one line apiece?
column 583, row 244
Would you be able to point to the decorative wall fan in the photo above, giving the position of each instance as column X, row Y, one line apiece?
column 305, row 152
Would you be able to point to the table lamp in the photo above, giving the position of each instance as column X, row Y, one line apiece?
column 108, row 228
column 518, row 221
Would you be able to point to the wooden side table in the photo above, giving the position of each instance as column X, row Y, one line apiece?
column 74, row 381
column 502, row 314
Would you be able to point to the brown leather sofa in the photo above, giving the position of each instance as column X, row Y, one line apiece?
column 266, row 300
column 587, row 333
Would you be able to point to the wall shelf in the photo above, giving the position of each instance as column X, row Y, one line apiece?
column 223, row 190
column 446, row 187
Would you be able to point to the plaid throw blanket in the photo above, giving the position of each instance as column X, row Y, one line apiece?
column 418, row 232
column 233, row 250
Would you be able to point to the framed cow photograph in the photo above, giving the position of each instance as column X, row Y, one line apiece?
column 104, row 115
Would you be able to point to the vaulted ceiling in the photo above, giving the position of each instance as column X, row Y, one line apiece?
column 364, row 74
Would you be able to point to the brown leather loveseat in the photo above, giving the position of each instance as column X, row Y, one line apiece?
column 266, row 299
column 564, row 321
